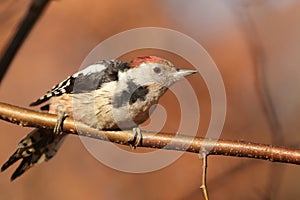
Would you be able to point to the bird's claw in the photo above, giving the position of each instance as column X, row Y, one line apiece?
column 58, row 129
column 137, row 138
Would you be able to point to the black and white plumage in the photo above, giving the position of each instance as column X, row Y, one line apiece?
column 88, row 79
column 38, row 146
column 107, row 95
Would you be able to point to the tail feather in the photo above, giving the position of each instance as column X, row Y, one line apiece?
column 14, row 158
column 38, row 146
column 25, row 164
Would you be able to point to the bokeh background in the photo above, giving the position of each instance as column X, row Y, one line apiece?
column 255, row 45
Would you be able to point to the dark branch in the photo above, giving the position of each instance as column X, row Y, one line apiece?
column 34, row 12
column 26, row 117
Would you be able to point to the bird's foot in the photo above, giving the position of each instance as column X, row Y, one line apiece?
column 137, row 140
column 58, row 129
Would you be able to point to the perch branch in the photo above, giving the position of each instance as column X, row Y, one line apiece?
column 30, row 118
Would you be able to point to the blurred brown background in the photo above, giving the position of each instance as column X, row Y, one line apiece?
column 255, row 45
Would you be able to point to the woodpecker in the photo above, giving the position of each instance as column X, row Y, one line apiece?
column 107, row 95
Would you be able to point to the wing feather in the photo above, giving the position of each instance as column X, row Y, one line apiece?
column 88, row 79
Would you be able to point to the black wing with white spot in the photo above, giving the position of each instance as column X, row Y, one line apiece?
column 88, row 79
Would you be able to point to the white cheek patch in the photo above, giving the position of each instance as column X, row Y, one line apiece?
column 142, row 75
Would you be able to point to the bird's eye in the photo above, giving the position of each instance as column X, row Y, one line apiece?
column 157, row 70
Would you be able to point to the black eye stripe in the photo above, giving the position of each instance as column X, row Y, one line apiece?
column 157, row 70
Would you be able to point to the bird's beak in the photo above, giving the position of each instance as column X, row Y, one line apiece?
column 184, row 72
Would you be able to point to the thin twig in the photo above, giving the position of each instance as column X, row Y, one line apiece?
column 35, row 10
column 203, row 154
column 178, row 142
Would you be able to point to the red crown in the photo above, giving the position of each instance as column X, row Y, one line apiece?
column 154, row 59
